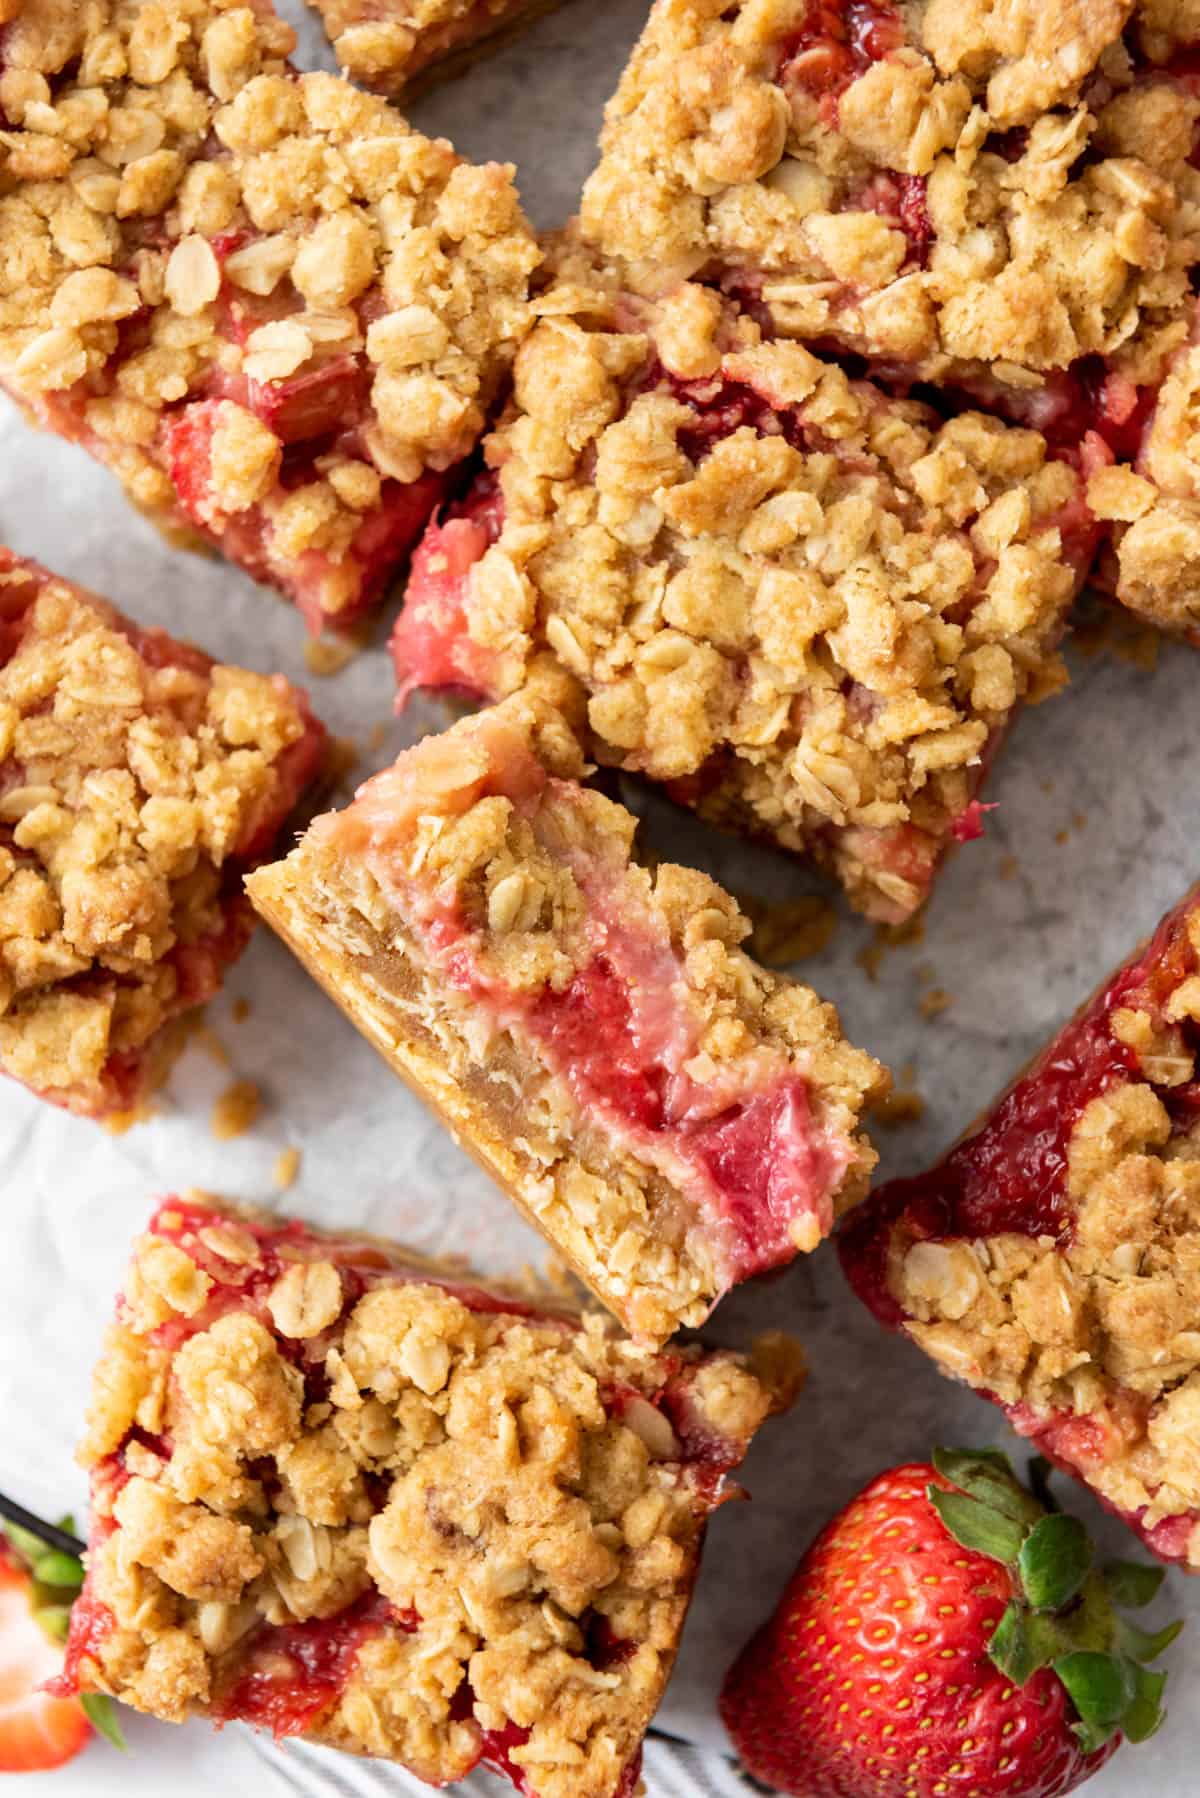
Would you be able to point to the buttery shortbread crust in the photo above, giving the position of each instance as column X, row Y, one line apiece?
column 344, row 1492
column 392, row 46
column 138, row 780
column 1052, row 1260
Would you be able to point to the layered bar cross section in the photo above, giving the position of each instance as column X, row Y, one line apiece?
column 672, row 1117
column 1052, row 1259
column 139, row 779
column 342, row 1493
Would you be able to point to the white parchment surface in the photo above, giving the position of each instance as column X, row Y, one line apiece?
column 1095, row 835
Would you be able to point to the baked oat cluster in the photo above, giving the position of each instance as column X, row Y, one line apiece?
column 349, row 1495
column 387, row 45
column 1052, row 1260
column 138, row 780
column 808, row 607
column 999, row 200
column 275, row 310
column 671, row 1116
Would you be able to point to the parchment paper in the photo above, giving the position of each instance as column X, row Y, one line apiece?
column 1094, row 837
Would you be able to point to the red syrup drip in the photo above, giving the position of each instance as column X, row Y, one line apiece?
column 294, row 1671
column 1010, row 1175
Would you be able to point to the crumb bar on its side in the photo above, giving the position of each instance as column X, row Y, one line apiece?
column 388, row 45
column 673, row 1118
column 1052, row 1259
column 1004, row 202
column 278, row 313
column 138, row 780
column 809, row 608
column 344, row 1493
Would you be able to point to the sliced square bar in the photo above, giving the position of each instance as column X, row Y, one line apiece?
column 1001, row 201
column 277, row 312
column 808, row 607
column 340, row 1492
column 388, row 45
column 138, row 781
column 670, row 1116
column 1052, row 1259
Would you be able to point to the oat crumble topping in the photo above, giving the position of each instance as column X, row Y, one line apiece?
column 808, row 607
column 473, row 908
column 1081, row 1320
column 211, row 262
column 291, row 1433
column 137, row 779
column 385, row 44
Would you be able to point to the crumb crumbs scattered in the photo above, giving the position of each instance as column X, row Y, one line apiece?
column 887, row 937
column 1111, row 631
column 237, row 1110
column 341, row 759
column 790, row 932
column 324, row 657
column 377, row 738
column 899, row 1107
column 1062, row 836
column 286, row 1168
column 1009, row 868
column 116, row 1123
column 1079, row 821
column 206, row 1038
column 241, row 1010
column 934, row 1002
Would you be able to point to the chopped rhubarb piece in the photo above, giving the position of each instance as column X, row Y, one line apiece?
column 810, row 609
column 673, row 1118
column 291, row 365
column 139, row 780
column 1052, row 1259
column 389, row 45
column 299, row 1545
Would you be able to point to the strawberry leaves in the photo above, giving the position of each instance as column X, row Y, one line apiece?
column 1062, row 1614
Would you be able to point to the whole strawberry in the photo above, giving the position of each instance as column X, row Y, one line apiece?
column 947, row 1636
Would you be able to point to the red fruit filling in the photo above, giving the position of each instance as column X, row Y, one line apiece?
column 837, row 42
column 1011, row 1173
column 296, row 410
column 91, row 1625
column 294, row 1671
column 431, row 645
column 968, row 826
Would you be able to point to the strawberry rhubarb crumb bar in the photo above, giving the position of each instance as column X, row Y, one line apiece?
column 808, row 607
column 138, row 780
column 388, row 45
column 340, row 1492
column 673, row 1118
column 273, row 309
column 1052, row 1260
column 1002, row 200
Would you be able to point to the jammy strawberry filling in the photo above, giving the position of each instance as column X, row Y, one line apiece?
column 431, row 645
column 1019, row 1179
column 740, row 1142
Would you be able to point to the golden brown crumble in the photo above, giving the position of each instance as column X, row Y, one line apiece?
column 385, row 44
column 814, row 623
column 514, row 1486
column 132, row 770
column 1050, row 153
column 1101, row 1324
column 531, row 883
column 184, row 218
